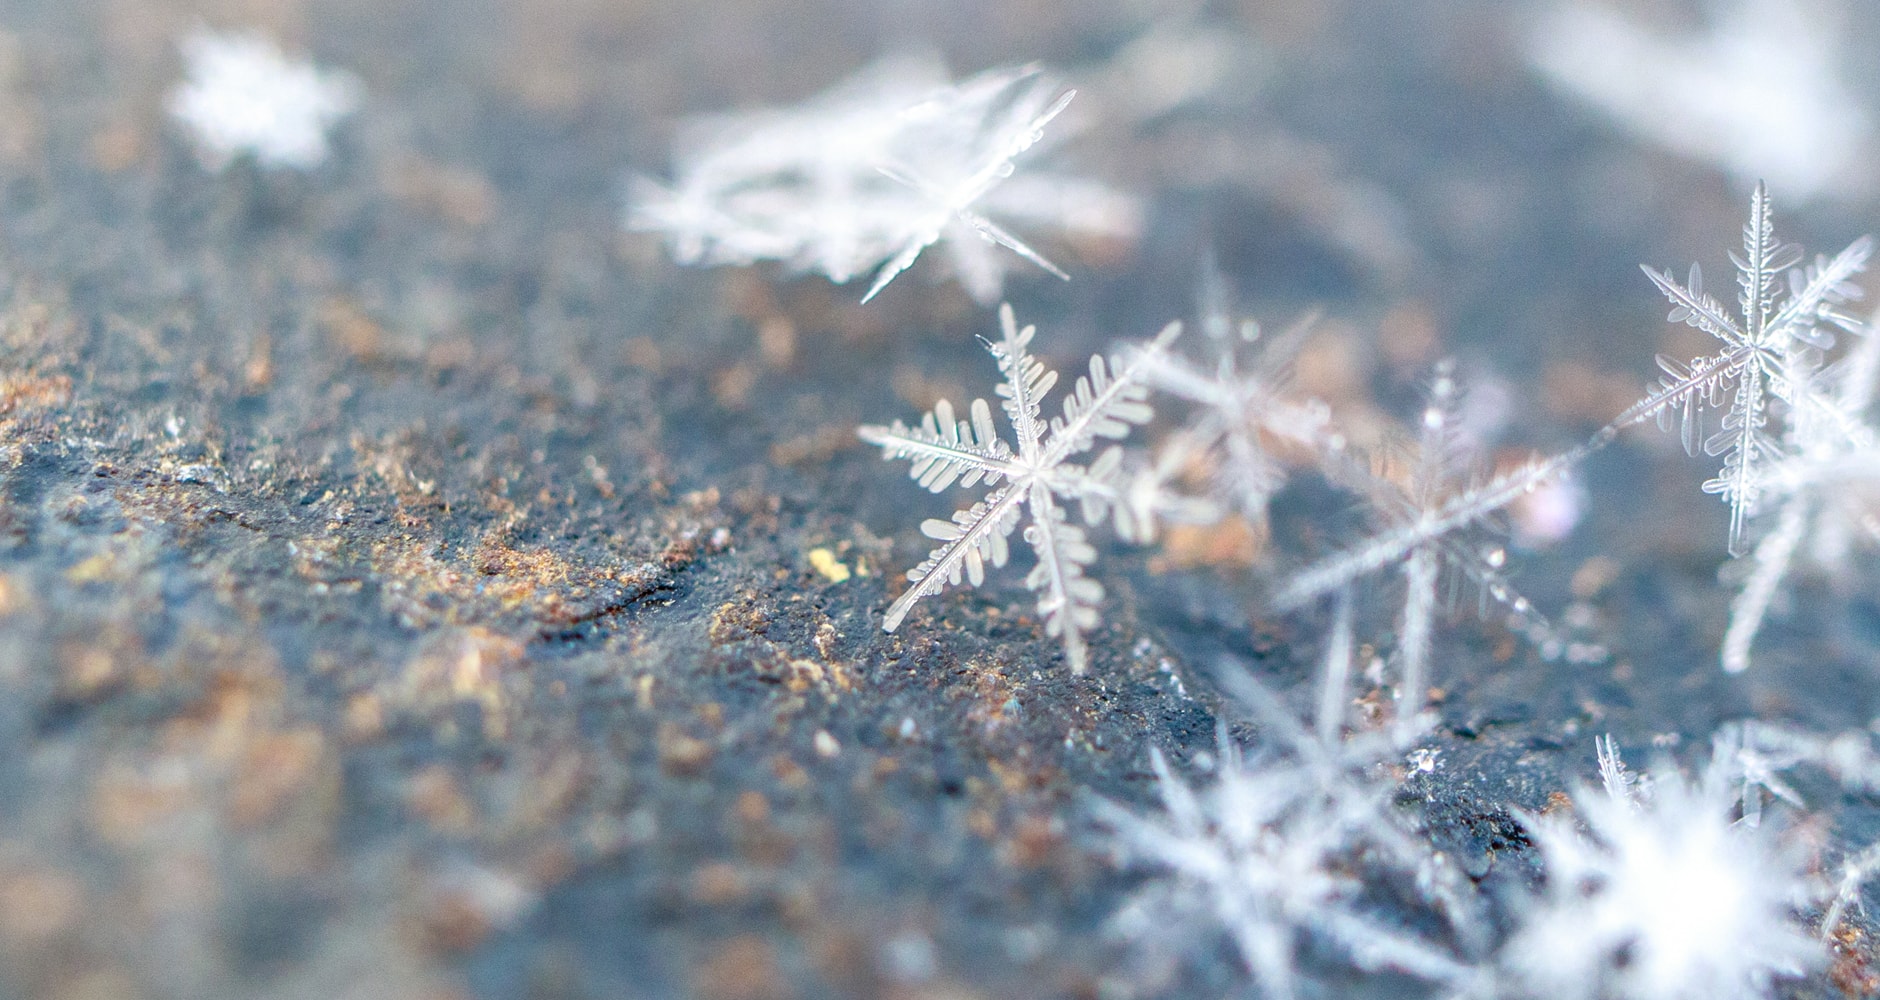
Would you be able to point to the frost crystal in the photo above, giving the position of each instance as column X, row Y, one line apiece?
column 243, row 95
column 1033, row 476
column 1662, row 897
column 1268, row 854
column 1418, row 524
column 868, row 175
column 1245, row 409
column 1784, row 306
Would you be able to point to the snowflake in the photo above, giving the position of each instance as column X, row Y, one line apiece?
column 1418, row 523
column 1034, row 477
column 1662, row 896
column 867, row 176
column 1784, row 306
column 1757, row 95
column 1269, row 854
column 243, row 95
column 1245, row 411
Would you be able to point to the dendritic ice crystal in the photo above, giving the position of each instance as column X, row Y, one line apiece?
column 862, row 179
column 243, row 95
column 1662, row 894
column 1422, row 507
column 1034, row 477
column 1824, row 487
column 1283, row 849
column 1785, row 308
column 1247, row 421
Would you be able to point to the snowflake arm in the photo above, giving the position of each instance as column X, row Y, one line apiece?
column 1770, row 561
column 1392, row 546
column 974, row 537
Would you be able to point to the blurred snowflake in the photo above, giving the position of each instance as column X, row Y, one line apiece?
column 1287, row 848
column 865, row 177
column 242, row 95
column 1758, row 94
column 1424, row 505
column 1662, row 895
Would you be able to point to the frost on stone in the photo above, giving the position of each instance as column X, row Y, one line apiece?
column 1662, row 894
column 860, row 180
column 1286, row 849
column 243, row 96
column 1034, row 477
column 1423, row 507
column 1759, row 95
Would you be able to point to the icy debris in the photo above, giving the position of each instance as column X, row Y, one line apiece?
column 863, row 178
column 1759, row 94
column 243, row 95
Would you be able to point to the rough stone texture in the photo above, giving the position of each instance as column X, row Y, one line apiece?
column 412, row 587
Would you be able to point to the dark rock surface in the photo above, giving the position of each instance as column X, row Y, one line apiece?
column 410, row 586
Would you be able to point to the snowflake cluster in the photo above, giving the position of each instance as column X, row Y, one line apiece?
column 1657, row 888
column 1663, row 886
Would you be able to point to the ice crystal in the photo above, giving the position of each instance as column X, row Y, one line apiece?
column 1034, row 475
column 1419, row 526
column 1784, row 307
column 868, row 175
column 1662, row 896
column 1267, row 855
column 1758, row 94
column 1246, row 414
column 243, row 95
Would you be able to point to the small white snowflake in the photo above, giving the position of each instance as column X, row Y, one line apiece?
column 243, row 95
column 1035, row 477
